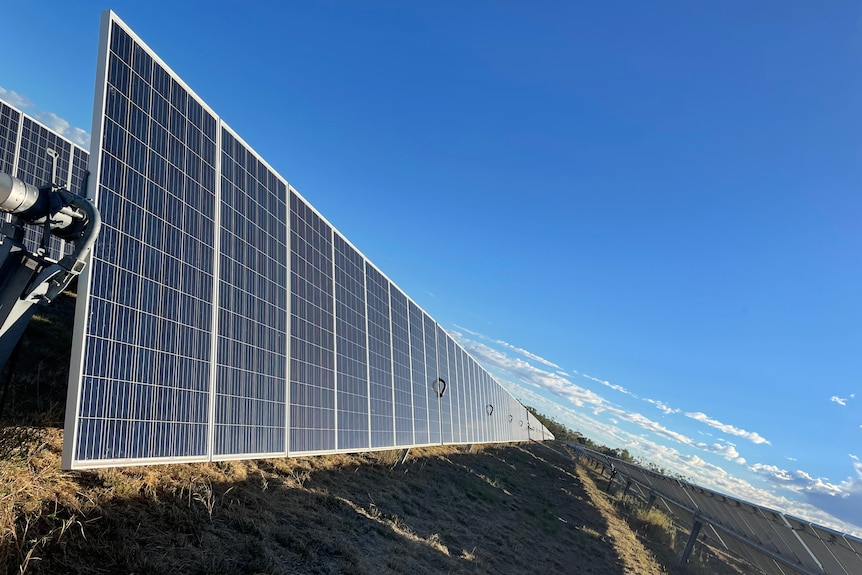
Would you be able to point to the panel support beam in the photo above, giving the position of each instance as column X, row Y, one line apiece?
column 695, row 531
column 651, row 501
column 628, row 484
column 402, row 459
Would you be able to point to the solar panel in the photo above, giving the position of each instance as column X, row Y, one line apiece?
column 10, row 122
column 251, row 373
column 775, row 543
column 143, row 376
column 223, row 317
column 421, row 412
column 402, row 396
column 24, row 145
column 312, row 349
column 381, row 386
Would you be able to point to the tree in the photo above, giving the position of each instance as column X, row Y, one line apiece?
column 563, row 433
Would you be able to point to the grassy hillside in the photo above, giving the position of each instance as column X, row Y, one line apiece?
column 495, row 509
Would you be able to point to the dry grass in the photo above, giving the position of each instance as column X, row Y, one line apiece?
column 658, row 536
column 497, row 509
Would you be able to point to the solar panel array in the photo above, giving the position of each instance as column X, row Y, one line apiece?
column 24, row 145
column 223, row 317
column 775, row 543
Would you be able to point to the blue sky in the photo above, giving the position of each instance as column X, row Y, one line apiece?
column 643, row 217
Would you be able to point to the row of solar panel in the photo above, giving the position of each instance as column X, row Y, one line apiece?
column 775, row 543
column 225, row 318
column 24, row 145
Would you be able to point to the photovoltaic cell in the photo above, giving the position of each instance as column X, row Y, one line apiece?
column 222, row 317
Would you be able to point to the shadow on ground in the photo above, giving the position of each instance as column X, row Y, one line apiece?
column 503, row 509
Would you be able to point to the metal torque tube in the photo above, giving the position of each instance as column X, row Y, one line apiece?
column 28, row 279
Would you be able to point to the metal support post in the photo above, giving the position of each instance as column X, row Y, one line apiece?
column 628, row 484
column 651, row 501
column 695, row 530
column 403, row 457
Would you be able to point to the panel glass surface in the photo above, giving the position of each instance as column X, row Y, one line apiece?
column 446, row 398
column 144, row 390
column 433, row 386
column 463, row 391
column 455, row 385
column 312, row 331
column 475, row 407
column 401, row 368
column 10, row 124
column 381, row 390
column 251, row 392
column 420, row 375
column 33, row 161
column 351, row 359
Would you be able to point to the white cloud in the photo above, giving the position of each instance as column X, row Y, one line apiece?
column 662, row 406
column 801, row 481
column 15, row 99
column 507, row 345
column 64, row 128
column 749, row 435
column 526, row 353
column 535, row 386
column 51, row 120
column 606, row 383
column 772, row 472
column 471, row 332
column 841, row 400
column 650, row 425
column 524, row 373
column 726, row 450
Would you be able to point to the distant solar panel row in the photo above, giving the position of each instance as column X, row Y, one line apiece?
column 224, row 318
column 24, row 143
column 775, row 543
